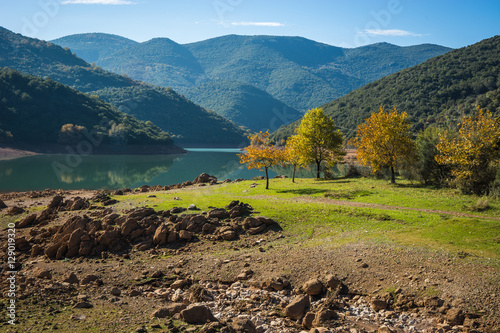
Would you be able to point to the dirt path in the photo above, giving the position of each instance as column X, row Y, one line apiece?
column 384, row 207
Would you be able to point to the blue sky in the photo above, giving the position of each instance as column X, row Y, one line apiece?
column 453, row 23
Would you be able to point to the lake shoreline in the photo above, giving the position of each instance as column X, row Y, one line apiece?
column 12, row 151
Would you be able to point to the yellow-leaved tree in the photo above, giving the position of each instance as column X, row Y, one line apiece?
column 385, row 140
column 474, row 155
column 262, row 154
column 294, row 154
column 318, row 140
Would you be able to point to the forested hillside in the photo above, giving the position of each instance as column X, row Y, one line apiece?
column 440, row 90
column 34, row 110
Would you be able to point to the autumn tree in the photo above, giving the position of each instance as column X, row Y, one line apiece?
column 318, row 139
column 385, row 140
column 262, row 154
column 294, row 154
column 474, row 154
column 71, row 134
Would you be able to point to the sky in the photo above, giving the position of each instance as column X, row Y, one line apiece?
column 345, row 23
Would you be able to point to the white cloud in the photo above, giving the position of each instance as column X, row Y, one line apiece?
column 390, row 32
column 259, row 24
column 97, row 2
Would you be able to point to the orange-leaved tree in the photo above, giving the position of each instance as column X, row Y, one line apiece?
column 262, row 154
column 385, row 140
column 474, row 155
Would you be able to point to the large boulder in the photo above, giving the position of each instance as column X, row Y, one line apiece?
column 313, row 287
column 2, row 204
column 197, row 314
column 218, row 213
column 55, row 202
column 161, row 234
column 295, row 310
column 205, row 178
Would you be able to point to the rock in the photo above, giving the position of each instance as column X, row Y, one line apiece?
column 108, row 237
column 295, row 310
column 185, row 235
column 83, row 305
column 36, row 250
column 257, row 230
column 455, row 316
column 313, row 287
column 193, row 207
column 229, row 235
column 384, row 329
column 267, row 221
column 197, row 314
column 179, row 283
column 14, row 211
column 115, row 291
column 173, row 236
column 378, row 304
column 433, row 302
column 71, row 278
column 251, row 222
column 308, row 319
column 205, row 178
column 140, row 213
column 320, row 330
column 89, row 278
column 2, row 204
column 161, row 234
column 218, row 213
column 78, row 204
column 243, row 325
column 26, row 222
column 332, row 282
column 42, row 273
column 55, row 202
column 129, row 225
column 322, row 316
column 74, row 242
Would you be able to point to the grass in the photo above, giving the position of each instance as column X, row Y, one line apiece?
column 310, row 213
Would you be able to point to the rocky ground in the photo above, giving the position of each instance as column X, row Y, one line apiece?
column 85, row 261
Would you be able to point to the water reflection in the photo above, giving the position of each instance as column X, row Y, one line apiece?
column 119, row 171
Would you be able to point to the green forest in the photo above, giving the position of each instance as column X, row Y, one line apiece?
column 40, row 110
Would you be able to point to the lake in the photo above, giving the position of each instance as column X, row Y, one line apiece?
column 119, row 171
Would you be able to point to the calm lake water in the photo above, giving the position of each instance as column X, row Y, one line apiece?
column 119, row 171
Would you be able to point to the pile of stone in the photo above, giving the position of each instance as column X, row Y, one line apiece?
column 141, row 228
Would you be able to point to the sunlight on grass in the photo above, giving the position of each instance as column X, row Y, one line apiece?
column 318, row 221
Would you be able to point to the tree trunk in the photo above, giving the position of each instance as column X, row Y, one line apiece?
column 293, row 175
column 393, row 176
column 318, row 169
column 267, row 179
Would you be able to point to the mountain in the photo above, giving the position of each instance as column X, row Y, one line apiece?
column 176, row 115
column 34, row 110
column 244, row 104
column 299, row 72
column 44, row 59
column 187, row 122
column 440, row 90
column 94, row 46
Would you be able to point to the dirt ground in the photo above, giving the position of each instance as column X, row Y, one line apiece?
column 266, row 272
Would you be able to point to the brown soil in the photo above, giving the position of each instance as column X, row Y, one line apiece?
column 366, row 269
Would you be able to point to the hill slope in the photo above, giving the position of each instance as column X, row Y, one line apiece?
column 94, row 46
column 44, row 59
column 244, row 104
column 186, row 121
column 299, row 72
column 34, row 110
column 439, row 90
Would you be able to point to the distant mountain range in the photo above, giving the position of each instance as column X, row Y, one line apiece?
column 175, row 114
column 239, row 76
column 439, row 91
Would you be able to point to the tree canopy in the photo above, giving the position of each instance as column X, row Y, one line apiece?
column 385, row 140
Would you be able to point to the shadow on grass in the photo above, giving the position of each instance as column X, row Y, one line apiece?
column 304, row 191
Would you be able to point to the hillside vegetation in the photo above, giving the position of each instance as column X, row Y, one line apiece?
column 438, row 91
column 298, row 72
column 35, row 110
column 187, row 122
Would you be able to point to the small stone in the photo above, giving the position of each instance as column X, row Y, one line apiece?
column 42, row 273
column 197, row 314
column 83, row 305
column 313, row 287
column 116, row 292
column 295, row 310
column 71, row 278
column 193, row 207
column 378, row 304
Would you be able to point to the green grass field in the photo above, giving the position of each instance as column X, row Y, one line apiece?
column 336, row 212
